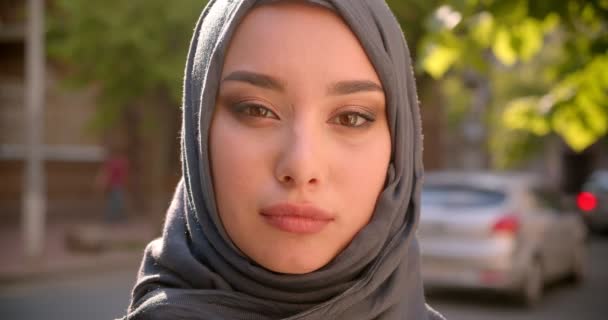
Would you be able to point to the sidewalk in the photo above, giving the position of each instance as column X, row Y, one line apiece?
column 74, row 247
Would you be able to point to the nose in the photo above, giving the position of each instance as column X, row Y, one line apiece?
column 300, row 162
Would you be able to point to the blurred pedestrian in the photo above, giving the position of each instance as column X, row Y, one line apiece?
column 302, row 169
column 112, row 180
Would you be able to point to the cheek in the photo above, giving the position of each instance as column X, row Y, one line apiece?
column 237, row 165
column 361, row 178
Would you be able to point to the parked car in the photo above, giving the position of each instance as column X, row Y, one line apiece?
column 593, row 201
column 497, row 231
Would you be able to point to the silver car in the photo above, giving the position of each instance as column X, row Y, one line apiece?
column 497, row 231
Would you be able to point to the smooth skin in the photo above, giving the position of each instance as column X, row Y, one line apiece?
column 300, row 118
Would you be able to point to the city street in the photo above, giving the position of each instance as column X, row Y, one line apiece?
column 93, row 297
column 279, row 131
column 105, row 296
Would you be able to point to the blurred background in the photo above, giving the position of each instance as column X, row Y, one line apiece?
column 514, row 100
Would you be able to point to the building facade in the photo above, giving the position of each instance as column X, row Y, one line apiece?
column 72, row 152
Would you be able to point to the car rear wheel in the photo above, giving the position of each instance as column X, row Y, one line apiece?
column 532, row 289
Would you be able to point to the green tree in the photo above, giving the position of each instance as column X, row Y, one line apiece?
column 128, row 48
column 547, row 62
column 133, row 53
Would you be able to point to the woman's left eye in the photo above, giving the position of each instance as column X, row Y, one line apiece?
column 257, row 110
column 352, row 119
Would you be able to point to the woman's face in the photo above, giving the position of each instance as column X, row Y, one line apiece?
column 299, row 139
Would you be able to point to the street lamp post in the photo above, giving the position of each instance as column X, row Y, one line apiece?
column 34, row 199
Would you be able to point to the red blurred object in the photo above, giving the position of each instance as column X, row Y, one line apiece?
column 491, row 277
column 586, row 201
column 508, row 224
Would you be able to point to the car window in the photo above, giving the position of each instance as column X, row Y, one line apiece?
column 458, row 196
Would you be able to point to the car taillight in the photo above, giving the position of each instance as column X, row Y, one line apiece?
column 506, row 225
column 586, row 201
column 491, row 276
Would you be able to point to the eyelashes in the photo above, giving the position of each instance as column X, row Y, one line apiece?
column 255, row 110
column 346, row 118
column 353, row 119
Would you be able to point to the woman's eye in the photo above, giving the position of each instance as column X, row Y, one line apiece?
column 352, row 119
column 256, row 110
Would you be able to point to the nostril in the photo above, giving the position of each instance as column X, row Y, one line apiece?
column 289, row 180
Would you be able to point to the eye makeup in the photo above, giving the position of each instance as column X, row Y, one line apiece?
column 354, row 119
column 346, row 113
column 254, row 109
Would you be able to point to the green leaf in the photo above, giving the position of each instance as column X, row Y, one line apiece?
column 569, row 122
column 482, row 29
column 583, row 119
column 524, row 114
column 129, row 49
column 438, row 59
column 522, row 41
column 503, row 48
column 530, row 36
column 550, row 23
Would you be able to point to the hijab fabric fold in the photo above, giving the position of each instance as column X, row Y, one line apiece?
column 194, row 271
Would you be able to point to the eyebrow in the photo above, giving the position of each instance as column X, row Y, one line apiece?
column 256, row 79
column 354, row 86
column 269, row 82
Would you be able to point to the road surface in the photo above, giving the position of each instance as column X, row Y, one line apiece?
column 105, row 296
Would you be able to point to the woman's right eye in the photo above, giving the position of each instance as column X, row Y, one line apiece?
column 256, row 110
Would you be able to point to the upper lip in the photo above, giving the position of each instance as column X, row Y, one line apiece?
column 300, row 210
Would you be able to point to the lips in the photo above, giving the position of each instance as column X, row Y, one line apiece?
column 296, row 218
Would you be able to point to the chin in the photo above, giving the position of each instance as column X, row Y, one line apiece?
column 290, row 264
column 294, row 269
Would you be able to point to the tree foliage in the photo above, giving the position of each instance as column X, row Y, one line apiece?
column 126, row 48
column 546, row 61
column 133, row 52
column 563, row 43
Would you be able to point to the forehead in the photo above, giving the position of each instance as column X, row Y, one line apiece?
column 297, row 39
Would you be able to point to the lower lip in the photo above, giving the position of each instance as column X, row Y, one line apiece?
column 296, row 224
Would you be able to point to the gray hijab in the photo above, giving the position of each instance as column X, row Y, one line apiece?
column 194, row 271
